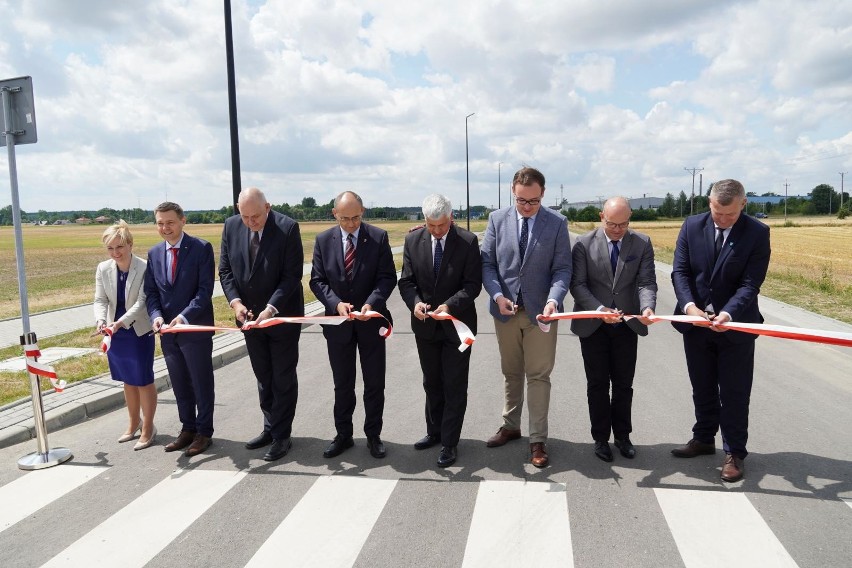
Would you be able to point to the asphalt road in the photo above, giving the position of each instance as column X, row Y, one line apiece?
column 112, row 506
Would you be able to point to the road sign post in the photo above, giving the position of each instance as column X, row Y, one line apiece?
column 19, row 127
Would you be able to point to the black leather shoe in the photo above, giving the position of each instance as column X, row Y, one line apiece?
column 603, row 452
column 447, row 456
column 259, row 441
column 338, row 446
column 377, row 447
column 277, row 450
column 426, row 441
column 625, row 446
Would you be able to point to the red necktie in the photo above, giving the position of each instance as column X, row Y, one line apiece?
column 174, row 251
column 349, row 257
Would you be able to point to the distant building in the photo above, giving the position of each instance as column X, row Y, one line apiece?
column 635, row 203
column 83, row 221
column 62, row 222
column 103, row 219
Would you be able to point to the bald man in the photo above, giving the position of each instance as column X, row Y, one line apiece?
column 260, row 269
column 613, row 271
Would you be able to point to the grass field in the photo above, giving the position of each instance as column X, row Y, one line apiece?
column 810, row 267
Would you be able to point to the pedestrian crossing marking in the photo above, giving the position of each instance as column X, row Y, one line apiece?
column 346, row 507
column 510, row 519
column 29, row 493
column 714, row 528
column 164, row 511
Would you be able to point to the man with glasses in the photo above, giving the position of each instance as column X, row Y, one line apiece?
column 353, row 270
column 526, row 270
column 614, row 273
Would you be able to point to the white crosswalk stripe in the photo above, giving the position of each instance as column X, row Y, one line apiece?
column 346, row 507
column 511, row 518
column 187, row 493
column 31, row 492
column 701, row 521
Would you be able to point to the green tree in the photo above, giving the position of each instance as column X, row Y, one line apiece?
column 309, row 202
column 824, row 197
column 668, row 207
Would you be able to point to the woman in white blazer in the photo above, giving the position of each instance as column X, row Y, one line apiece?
column 120, row 308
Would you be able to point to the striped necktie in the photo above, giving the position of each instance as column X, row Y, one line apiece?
column 349, row 257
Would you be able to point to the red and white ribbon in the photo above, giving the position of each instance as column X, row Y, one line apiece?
column 781, row 331
column 32, row 352
column 106, row 342
column 466, row 337
column 384, row 331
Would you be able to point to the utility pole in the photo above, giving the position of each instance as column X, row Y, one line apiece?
column 692, row 199
column 841, row 188
column 499, row 187
column 786, row 185
column 561, row 197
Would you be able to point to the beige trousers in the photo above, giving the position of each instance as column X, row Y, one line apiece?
column 526, row 352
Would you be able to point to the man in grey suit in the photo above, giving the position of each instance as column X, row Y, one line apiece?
column 613, row 272
column 526, row 270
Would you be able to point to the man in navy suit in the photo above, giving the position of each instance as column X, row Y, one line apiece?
column 441, row 272
column 260, row 269
column 720, row 262
column 179, row 289
column 526, row 270
column 613, row 272
column 353, row 270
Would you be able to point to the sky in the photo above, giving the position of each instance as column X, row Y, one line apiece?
column 604, row 97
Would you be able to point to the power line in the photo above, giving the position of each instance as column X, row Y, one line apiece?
column 691, row 199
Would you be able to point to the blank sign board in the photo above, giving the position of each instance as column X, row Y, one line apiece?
column 23, row 123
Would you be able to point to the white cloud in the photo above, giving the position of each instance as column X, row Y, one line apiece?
column 131, row 98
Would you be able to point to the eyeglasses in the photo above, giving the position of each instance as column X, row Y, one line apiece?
column 531, row 202
column 611, row 225
column 353, row 219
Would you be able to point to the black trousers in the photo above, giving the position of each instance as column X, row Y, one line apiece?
column 370, row 346
column 609, row 357
column 274, row 354
column 445, row 377
column 721, row 373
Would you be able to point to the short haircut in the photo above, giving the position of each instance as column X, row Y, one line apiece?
column 528, row 176
column 169, row 206
column 119, row 231
column 726, row 191
column 437, row 206
column 251, row 194
column 342, row 193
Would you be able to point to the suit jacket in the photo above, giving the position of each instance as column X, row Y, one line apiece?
column 192, row 291
column 373, row 275
column 731, row 283
column 106, row 289
column 632, row 288
column 458, row 283
column 545, row 272
column 276, row 277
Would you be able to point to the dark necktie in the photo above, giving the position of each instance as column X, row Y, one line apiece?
column 720, row 239
column 613, row 256
column 349, row 257
column 439, row 254
column 525, row 237
column 174, row 251
column 254, row 246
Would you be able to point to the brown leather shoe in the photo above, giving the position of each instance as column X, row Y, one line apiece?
column 184, row 439
column 539, row 454
column 694, row 448
column 198, row 445
column 502, row 436
column 732, row 468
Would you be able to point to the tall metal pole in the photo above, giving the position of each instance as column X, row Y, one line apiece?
column 499, row 187
column 692, row 199
column 44, row 457
column 467, row 168
column 786, row 185
column 841, row 188
column 232, row 106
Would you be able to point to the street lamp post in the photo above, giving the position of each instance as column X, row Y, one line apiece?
column 467, row 167
column 499, row 187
